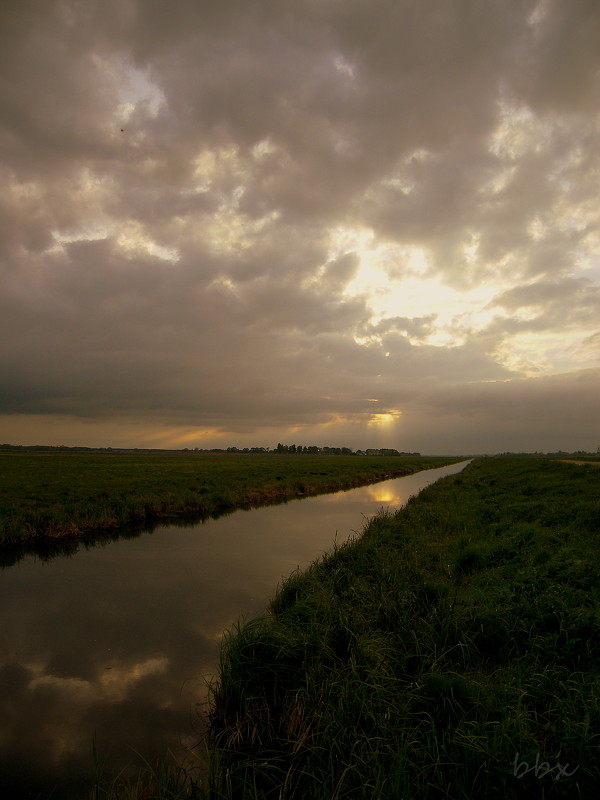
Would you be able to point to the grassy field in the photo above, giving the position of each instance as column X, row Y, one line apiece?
column 50, row 497
column 451, row 651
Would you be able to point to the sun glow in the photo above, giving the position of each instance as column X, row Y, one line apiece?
column 384, row 421
column 397, row 281
column 383, row 494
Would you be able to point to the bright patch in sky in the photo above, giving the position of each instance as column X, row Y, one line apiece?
column 132, row 240
column 385, row 419
column 395, row 280
column 138, row 88
column 545, row 353
column 298, row 212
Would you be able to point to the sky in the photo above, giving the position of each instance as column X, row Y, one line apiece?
column 333, row 222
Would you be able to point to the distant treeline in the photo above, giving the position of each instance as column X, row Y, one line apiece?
column 315, row 450
column 555, row 454
column 281, row 448
column 287, row 448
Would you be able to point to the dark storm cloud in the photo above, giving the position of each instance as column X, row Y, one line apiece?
column 186, row 185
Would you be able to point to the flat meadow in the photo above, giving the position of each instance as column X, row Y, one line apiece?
column 451, row 650
column 53, row 496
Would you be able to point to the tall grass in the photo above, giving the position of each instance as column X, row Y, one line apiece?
column 50, row 498
column 451, row 651
column 167, row 779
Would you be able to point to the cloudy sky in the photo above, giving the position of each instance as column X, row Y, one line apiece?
column 333, row 222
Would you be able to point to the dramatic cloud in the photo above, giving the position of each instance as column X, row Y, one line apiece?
column 342, row 222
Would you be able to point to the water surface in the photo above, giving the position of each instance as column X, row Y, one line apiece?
column 117, row 641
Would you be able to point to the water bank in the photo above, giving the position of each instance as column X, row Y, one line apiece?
column 442, row 654
column 113, row 643
column 49, row 499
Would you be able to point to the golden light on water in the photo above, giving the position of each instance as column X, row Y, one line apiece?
column 384, row 494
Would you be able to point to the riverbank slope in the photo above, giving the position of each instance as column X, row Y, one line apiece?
column 53, row 497
column 451, row 651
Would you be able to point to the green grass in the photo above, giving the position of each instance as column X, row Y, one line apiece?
column 451, row 651
column 53, row 497
column 165, row 780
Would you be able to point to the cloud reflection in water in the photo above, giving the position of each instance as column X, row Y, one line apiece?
column 116, row 642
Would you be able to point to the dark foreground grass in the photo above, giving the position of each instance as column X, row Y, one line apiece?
column 52, row 497
column 165, row 780
column 451, row 651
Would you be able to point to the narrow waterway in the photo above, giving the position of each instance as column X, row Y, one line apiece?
column 115, row 643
